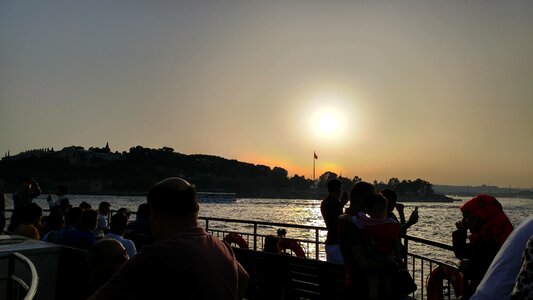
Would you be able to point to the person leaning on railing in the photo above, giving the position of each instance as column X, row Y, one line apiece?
column 489, row 227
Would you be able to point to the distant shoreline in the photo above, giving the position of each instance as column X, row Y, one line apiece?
column 427, row 198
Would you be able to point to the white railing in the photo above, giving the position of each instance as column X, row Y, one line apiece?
column 16, row 286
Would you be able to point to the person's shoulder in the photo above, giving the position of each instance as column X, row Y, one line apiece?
column 346, row 220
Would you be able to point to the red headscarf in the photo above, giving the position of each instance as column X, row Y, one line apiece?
column 494, row 224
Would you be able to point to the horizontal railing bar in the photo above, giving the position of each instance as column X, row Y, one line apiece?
column 262, row 223
column 429, row 242
column 408, row 237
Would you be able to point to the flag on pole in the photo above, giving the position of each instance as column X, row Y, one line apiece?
column 316, row 156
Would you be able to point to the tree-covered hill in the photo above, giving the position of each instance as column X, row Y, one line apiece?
column 100, row 171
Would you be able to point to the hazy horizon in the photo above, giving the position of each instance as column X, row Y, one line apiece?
column 434, row 90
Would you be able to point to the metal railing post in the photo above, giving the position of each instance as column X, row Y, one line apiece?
column 317, row 244
column 255, row 236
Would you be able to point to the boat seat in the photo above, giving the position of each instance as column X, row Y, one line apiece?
column 279, row 276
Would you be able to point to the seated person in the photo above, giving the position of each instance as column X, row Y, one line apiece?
column 82, row 237
column 104, row 258
column 117, row 230
column 54, row 222
column 140, row 225
column 28, row 221
column 271, row 244
column 72, row 220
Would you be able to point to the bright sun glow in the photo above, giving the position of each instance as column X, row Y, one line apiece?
column 328, row 122
column 328, row 116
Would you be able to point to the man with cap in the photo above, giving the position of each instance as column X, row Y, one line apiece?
column 185, row 262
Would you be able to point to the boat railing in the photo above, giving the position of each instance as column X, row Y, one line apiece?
column 15, row 286
column 312, row 241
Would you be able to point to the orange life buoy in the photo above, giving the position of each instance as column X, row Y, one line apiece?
column 434, row 283
column 234, row 238
column 292, row 245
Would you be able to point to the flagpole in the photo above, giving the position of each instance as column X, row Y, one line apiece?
column 314, row 167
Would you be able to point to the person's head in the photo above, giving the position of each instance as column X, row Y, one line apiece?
column 84, row 205
column 479, row 210
column 271, row 244
column 359, row 196
column 31, row 214
column 392, row 198
column 483, row 215
column 377, row 206
column 118, row 223
column 62, row 190
column 143, row 211
column 64, row 204
column 73, row 216
column 55, row 221
column 104, row 207
column 334, row 187
column 88, row 220
column 173, row 206
column 106, row 256
column 124, row 211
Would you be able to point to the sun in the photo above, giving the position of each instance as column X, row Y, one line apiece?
column 328, row 122
column 326, row 116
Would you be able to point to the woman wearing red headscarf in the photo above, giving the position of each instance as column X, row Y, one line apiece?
column 489, row 227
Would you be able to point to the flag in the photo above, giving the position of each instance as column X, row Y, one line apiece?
column 316, row 156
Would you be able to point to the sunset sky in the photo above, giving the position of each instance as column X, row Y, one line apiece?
column 438, row 90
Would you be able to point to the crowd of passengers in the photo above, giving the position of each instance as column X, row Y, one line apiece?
column 495, row 259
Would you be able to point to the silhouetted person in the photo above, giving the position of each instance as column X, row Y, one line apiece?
column 392, row 199
column 271, row 244
column 27, row 191
column 124, row 211
column 84, row 205
column 61, row 201
column 141, row 224
column 382, row 239
column 489, row 227
column 104, row 258
column 103, row 225
column 22, row 198
column 352, row 242
column 117, row 229
column 53, row 224
column 139, row 229
column 83, row 237
column 28, row 221
column 331, row 208
column 185, row 260
column 72, row 220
